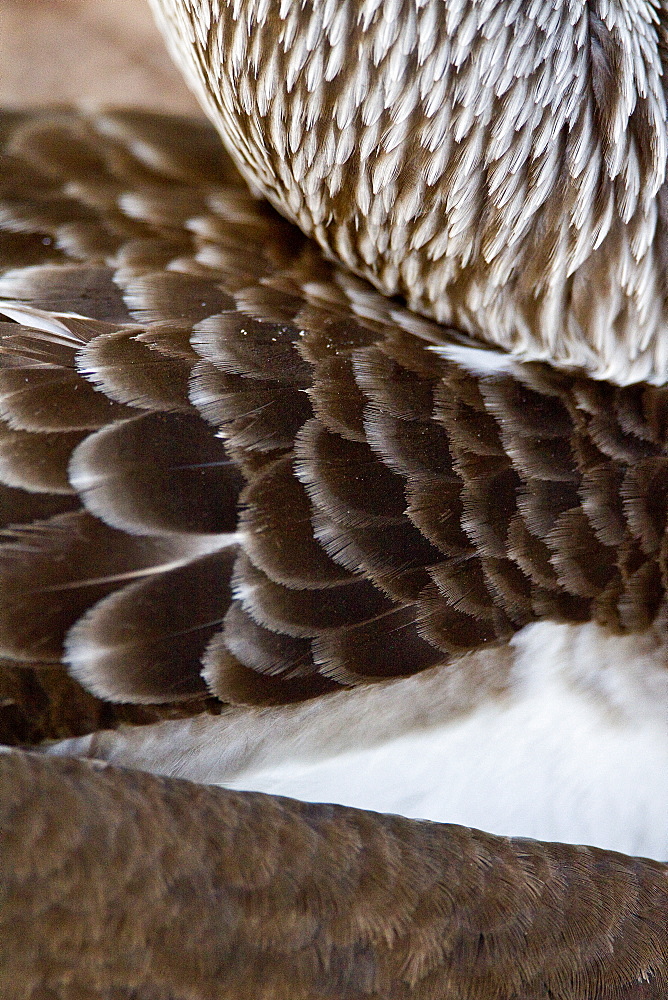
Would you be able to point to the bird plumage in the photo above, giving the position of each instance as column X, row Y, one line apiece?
column 132, row 885
column 499, row 164
column 235, row 474
column 368, row 507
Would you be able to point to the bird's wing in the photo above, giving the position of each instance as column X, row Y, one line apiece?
column 120, row 884
column 230, row 471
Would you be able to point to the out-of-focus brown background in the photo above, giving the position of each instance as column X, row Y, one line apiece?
column 69, row 50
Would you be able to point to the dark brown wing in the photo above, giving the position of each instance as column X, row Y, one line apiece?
column 120, row 884
column 230, row 471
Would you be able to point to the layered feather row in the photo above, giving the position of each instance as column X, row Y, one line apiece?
column 231, row 471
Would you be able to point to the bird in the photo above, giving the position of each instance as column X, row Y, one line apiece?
column 269, row 528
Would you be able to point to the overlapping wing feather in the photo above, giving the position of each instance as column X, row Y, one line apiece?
column 229, row 468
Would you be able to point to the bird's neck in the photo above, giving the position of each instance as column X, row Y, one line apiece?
column 500, row 164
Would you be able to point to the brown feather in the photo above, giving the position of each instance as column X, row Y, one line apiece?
column 52, row 571
column 158, row 473
column 144, row 642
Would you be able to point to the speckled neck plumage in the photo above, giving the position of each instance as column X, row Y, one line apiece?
column 499, row 164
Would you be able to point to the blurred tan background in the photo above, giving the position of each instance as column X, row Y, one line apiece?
column 68, row 50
